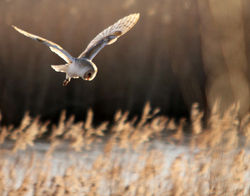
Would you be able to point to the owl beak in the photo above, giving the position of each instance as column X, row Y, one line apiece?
column 88, row 78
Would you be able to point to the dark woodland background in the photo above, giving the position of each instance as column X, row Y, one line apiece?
column 180, row 52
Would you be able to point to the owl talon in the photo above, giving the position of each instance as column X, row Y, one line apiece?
column 65, row 82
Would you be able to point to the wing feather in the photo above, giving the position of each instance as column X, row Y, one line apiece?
column 109, row 35
column 53, row 46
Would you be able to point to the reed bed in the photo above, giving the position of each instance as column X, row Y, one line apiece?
column 146, row 155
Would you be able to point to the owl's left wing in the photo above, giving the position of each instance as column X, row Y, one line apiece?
column 53, row 46
column 109, row 35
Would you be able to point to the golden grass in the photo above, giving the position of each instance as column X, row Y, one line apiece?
column 131, row 158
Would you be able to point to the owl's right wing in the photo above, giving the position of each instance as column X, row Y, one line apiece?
column 109, row 35
column 53, row 46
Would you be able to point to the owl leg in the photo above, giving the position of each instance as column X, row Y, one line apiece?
column 66, row 81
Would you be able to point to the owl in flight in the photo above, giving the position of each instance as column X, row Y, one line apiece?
column 82, row 66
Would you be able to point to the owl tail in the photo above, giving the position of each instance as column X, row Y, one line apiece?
column 60, row 68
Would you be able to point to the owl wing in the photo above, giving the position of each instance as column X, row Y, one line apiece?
column 53, row 46
column 109, row 35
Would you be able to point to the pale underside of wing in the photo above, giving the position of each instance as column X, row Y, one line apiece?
column 109, row 35
column 53, row 46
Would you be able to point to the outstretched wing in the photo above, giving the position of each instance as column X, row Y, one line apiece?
column 109, row 35
column 53, row 46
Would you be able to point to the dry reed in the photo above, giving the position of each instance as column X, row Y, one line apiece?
column 132, row 158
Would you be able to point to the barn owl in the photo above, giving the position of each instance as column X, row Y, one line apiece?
column 83, row 66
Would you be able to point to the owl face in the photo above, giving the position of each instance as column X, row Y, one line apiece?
column 90, row 72
column 89, row 75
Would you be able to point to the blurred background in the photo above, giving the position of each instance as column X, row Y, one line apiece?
column 180, row 52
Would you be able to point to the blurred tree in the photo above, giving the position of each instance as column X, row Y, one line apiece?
column 180, row 52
